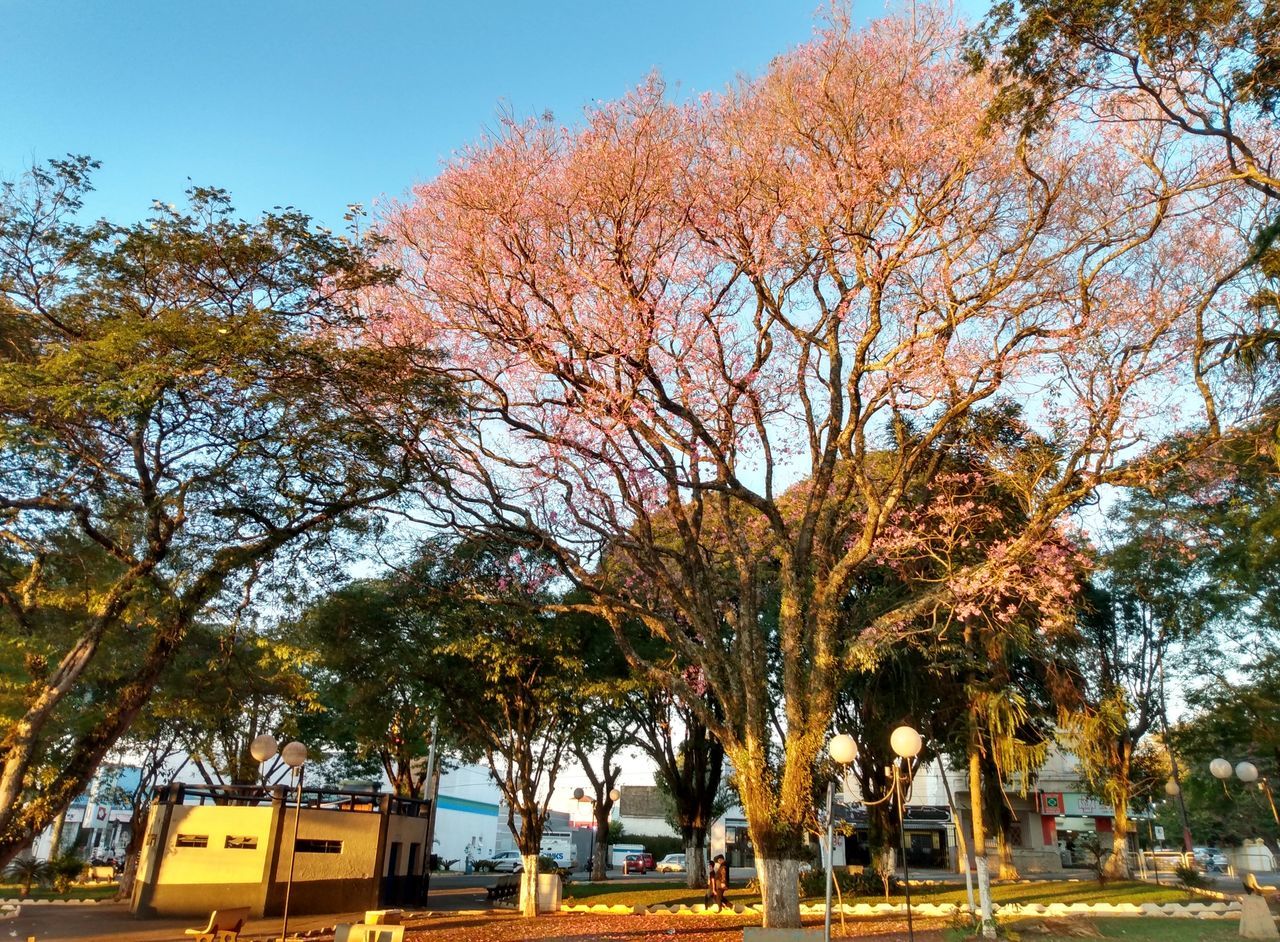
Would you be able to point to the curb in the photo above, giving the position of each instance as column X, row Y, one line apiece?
column 1217, row 910
column 54, row 902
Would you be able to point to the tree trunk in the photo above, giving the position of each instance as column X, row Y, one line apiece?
column 600, row 857
column 1008, row 869
column 975, row 805
column 980, row 844
column 780, row 891
column 55, row 838
column 695, row 858
column 600, row 853
column 132, row 853
column 529, row 886
column 1117, row 867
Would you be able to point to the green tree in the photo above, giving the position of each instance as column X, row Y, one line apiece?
column 1235, row 718
column 374, row 679
column 688, row 762
column 28, row 870
column 1211, row 69
column 510, row 674
column 180, row 399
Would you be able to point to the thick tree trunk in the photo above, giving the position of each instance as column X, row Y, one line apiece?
column 780, row 891
column 600, row 860
column 695, row 858
column 1117, row 866
column 529, row 886
column 1008, row 869
column 600, row 852
column 137, row 832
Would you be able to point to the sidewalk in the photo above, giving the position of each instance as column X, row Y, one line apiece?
column 112, row 922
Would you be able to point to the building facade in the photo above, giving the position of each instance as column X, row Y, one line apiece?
column 211, row 847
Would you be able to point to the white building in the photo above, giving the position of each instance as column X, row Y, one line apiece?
column 467, row 816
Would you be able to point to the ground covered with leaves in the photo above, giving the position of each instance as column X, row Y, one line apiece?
column 586, row 927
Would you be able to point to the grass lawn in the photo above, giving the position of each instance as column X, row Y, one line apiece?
column 1086, row 891
column 88, row 891
column 648, row 893
column 1149, row 930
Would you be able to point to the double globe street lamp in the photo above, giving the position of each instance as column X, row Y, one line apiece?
column 1247, row 772
column 580, row 794
column 294, row 755
column 906, row 744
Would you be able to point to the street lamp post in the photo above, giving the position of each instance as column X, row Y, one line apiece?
column 580, row 794
column 906, row 744
column 1247, row 772
column 294, row 755
column 843, row 750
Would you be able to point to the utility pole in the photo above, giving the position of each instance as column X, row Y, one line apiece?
column 433, row 790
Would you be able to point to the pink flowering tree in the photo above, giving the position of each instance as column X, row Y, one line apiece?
column 670, row 316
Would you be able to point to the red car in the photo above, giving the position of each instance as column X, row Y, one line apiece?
column 634, row 863
column 649, row 863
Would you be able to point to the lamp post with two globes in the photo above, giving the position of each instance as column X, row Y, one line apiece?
column 580, row 794
column 294, row 755
column 906, row 744
column 1247, row 772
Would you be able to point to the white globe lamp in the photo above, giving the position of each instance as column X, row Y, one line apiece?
column 842, row 749
column 263, row 747
column 294, row 755
column 1221, row 769
column 1247, row 772
column 906, row 742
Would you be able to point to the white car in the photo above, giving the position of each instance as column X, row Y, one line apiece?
column 509, row 861
column 672, row 863
column 1210, row 858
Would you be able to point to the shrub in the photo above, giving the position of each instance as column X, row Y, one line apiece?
column 64, row 869
column 1189, row 877
column 482, row 866
column 852, row 881
column 28, row 870
column 1096, row 857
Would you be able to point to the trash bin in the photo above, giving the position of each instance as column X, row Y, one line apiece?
column 549, row 889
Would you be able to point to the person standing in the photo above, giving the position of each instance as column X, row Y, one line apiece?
column 719, row 879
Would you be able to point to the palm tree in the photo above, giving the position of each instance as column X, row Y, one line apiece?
column 28, row 870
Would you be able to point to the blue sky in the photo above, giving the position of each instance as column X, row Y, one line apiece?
column 322, row 103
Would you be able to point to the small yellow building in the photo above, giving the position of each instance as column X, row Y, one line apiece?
column 212, row 847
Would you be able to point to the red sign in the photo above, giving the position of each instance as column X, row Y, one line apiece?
column 1051, row 803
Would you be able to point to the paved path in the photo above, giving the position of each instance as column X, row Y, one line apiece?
column 112, row 922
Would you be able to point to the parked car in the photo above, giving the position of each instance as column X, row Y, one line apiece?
column 672, row 863
column 509, row 861
column 634, row 863
column 1211, row 858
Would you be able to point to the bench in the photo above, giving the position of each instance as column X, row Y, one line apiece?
column 506, row 889
column 1253, row 888
column 363, row 932
column 224, row 926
